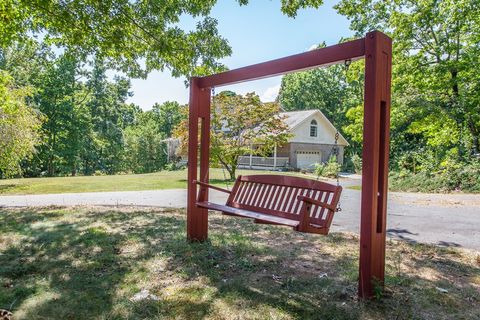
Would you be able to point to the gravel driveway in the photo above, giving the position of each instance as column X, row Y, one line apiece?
column 448, row 220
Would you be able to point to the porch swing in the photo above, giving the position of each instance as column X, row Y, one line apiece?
column 303, row 204
column 306, row 205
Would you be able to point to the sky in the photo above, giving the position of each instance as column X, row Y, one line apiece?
column 257, row 32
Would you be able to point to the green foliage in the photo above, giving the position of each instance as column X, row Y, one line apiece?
column 88, row 127
column 354, row 129
column 435, row 122
column 458, row 177
column 329, row 169
column 167, row 115
column 19, row 125
column 323, row 89
column 357, row 163
column 237, row 123
column 435, row 107
column 127, row 32
column 145, row 150
column 290, row 7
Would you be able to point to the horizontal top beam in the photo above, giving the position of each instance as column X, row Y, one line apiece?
column 315, row 58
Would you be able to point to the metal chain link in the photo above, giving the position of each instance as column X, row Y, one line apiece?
column 223, row 168
column 335, row 149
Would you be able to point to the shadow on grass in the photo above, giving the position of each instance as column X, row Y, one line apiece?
column 83, row 264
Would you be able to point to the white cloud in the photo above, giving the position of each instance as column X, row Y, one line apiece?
column 312, row 47
column 270, row 94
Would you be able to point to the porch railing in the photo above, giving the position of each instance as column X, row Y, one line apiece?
column 256, row 161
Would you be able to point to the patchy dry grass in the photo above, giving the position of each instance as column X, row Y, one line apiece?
column 87, row 263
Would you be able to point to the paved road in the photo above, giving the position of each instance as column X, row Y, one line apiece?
column 449, row 220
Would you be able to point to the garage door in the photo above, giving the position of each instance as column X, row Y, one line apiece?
column 307, row 159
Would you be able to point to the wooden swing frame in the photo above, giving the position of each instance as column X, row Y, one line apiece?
column 376, row 48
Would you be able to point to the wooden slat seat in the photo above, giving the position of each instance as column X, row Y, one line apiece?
column 304, row 204
column 248, row 214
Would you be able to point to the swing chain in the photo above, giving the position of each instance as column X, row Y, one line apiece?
column 347, row 64
column 335, row 152
column 223, row 168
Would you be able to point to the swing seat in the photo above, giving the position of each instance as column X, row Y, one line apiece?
column 306, row 205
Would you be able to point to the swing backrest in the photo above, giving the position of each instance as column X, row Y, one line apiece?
column 278, row 195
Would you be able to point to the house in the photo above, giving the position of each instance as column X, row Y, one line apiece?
column 312, row 141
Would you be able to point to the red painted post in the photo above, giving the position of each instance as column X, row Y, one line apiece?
column 376, row 128
column 199, row 109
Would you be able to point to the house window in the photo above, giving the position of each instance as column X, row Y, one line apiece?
column 313, row 128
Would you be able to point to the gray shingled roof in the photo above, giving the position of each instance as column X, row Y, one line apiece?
column 294, row 118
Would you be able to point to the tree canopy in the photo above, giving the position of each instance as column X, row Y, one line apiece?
column 240, row 124
column 436, row 109
column 435, row 116
column 54, row 57
column 136, row 36
column 19, row 125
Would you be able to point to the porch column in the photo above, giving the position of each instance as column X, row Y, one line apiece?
column 251, row 156
column 274, row 156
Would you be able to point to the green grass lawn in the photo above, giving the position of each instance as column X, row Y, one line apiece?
column 88, row 263
column 131, row 182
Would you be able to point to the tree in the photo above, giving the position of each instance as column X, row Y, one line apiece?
column 126, row 32
column 55, row 98
column 144, row 147
column 238, row 123
column 321, row 88
column 168, row 115
column 435, row 74
column 19, row 126
column 106, row 103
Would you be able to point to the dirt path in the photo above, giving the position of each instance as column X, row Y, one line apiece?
column 450, row 220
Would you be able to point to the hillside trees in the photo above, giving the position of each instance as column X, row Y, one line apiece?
column 146, row 150
column 167, row 116
column 86, row 117
column 435, row 107
column 88, row 128
column 435, row 122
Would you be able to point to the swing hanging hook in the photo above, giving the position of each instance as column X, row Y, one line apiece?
column 347, row 63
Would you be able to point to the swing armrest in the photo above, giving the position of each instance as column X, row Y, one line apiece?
column 316, row 202
column 211, row 187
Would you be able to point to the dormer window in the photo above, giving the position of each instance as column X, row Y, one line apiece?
column 313, row 128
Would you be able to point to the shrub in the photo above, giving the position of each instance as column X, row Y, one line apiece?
column 456, row 177
column 357, row 163
column 329, row 169
column 173, row 166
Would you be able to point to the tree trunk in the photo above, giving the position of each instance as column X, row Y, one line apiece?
column 231, row 171
column 474, row 130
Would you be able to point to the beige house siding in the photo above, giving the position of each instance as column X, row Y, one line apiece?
column 325, row 131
